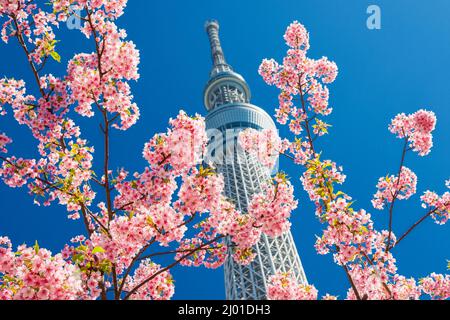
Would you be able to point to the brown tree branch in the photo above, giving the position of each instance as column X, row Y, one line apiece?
column 178, row 261
column 415, row 225
column 397, row 192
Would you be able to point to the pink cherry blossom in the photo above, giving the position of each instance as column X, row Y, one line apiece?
column 437, row 286
column 296, row 36
column 34, row 274
column 211, row 256
column 301, row 76
column 265, row 144
column 393, row 187
column 417, row 128
column 282, row 286
column 4, row 140
column 272, row 208
column 181, row 147
column 439, row 206
column 160, row 287
column 244, row 256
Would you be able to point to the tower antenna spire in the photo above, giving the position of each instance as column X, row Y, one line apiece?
column 217, row 55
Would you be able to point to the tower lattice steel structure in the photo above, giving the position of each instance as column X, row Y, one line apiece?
column 227, row 99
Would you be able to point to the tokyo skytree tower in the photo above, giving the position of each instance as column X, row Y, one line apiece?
column 227, row 99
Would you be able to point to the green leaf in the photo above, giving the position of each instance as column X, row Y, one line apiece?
column 78, row 258
column 36, row 247
column 98, row 250
column 363, row 230
column 339, row 193
column 55, row 55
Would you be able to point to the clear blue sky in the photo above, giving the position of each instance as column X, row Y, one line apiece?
column 400, row 68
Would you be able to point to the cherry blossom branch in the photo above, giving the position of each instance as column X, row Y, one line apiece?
column 130, row 267
column 123, row 207
column 157, row 254
column 358, row 296
column 42, row 65
column 99, row 222
column 415, row 225
column 329, row 191
column 307, row 125
column 99, row 53
column 287, row 156
column 355, row 290
column 330, row 195
column 385, row 286
column 84, row 209
column 391, row 208
column 23, row 44
column 177, row 262
column 106, row 139
column 85, row 219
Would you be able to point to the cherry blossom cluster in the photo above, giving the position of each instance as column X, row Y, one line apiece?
column 266, row 145
column 283, row 286
column 417, row 128
column 200, row 192
column 318, row 181
column 35, row 274
column 69, row 170
column 128, row 235
column 244, row 256
column 159, row 287
column 211, row 256
column 346, row 232
column 4, row 140
column 239, row 226
column 439, row 206
column 297, row 36
column 66, row 159
column 101, row 79
column 146, row 189
column 272, row 208
column 13, row 92
column 372, row 284
column 268, row 212
column 392, row 187
column 31, row 25
column 437, row 286
column 181, row 147
column 242, row 230
column 46, row 118
column 300, row 76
